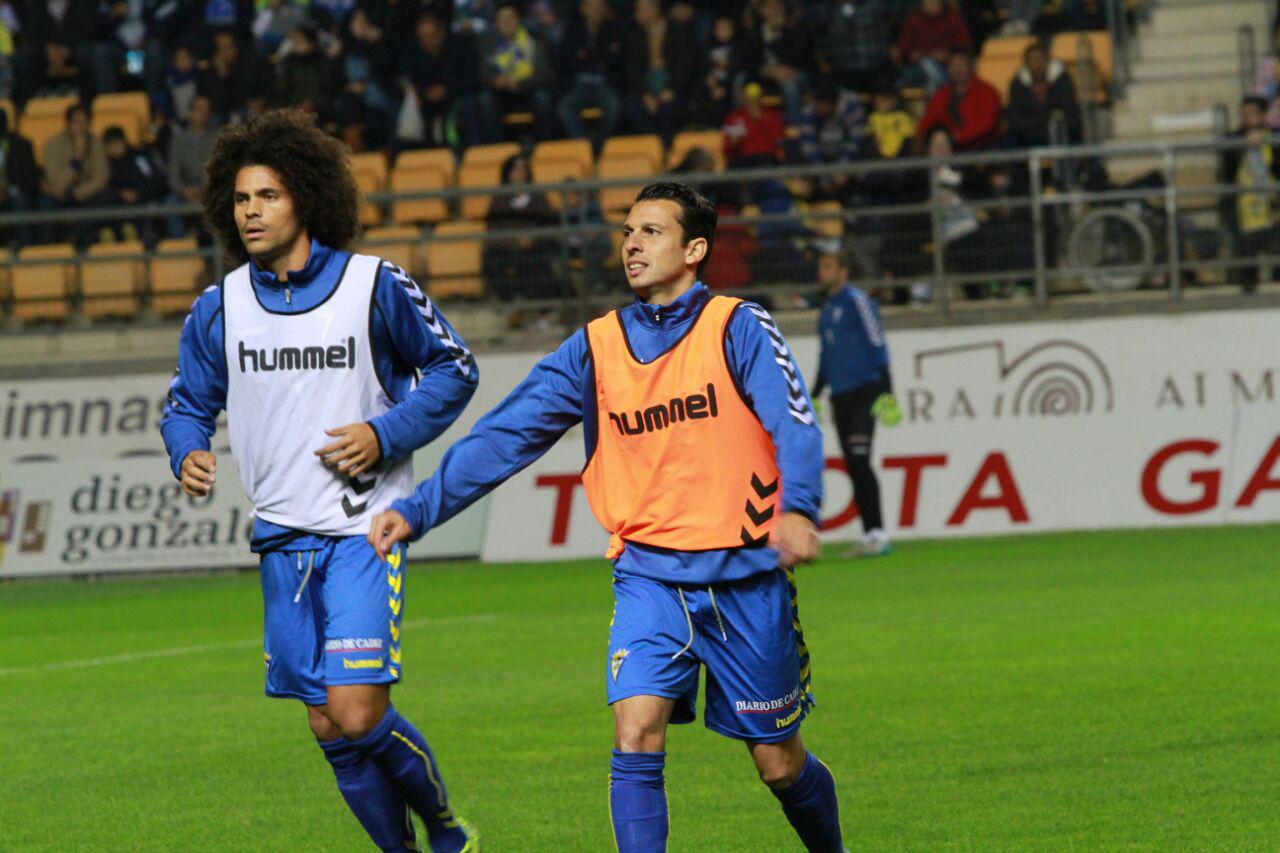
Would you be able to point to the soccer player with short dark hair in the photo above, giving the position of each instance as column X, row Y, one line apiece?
column 704, row 464
column 854, row 363
column 313, row 351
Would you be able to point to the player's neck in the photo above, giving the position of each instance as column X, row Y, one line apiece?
column 665, row 294
column 293, row 258
column 833, row 289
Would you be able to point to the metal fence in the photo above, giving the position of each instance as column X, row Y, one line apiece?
column 1035, row 226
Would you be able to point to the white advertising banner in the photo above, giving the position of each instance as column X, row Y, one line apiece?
column 1090, row 424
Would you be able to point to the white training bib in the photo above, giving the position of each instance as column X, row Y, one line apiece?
column 289, row 378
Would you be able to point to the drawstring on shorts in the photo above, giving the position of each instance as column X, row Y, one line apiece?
column 311, row 562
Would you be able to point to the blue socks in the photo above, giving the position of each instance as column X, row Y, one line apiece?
column 403, row 757
column 811, row 806
column 377, row 806
column 638, row 801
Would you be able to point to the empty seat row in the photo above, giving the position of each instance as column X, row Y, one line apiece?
column 110, row 280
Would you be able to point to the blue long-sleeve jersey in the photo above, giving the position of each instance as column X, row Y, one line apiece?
column 561, row 388
column 854, row 352
column 408, row 336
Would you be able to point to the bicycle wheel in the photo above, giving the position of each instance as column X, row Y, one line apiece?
column 1112, row 249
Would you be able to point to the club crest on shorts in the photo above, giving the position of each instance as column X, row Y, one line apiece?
column 615, row 662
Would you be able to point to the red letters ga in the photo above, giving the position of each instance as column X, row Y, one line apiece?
column 1208, row 479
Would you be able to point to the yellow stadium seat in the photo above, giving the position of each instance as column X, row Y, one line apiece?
column 561, row 160
column 109, row 283
column 1007, row 47
column 999, row 71
column 402, row 245
column 622, row 166
column 6, row 276
column 648, row 145
column 175, row 281
column 430, row 169
column 454, row 266
column 615, row 218
column 39, row 129
column 42, row 291
column 1088, row 46
column 478, row 175
column 129, row 110
column 497, row 153
column 56, row 106
column 370, row 171
column 712, row 141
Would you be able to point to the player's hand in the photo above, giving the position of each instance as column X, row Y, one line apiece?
column 355, row 451
column 387, row 529
column 886, row 410
column 795, row 538
column 197, row 473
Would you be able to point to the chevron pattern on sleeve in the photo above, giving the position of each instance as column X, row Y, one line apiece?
column 797, row 402
column 462, row 357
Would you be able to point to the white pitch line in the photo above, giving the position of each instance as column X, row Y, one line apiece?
column 213, row 647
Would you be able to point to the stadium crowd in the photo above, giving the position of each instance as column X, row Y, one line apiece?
column 787, row 81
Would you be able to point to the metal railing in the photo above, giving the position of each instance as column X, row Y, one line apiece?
column 1036, row 225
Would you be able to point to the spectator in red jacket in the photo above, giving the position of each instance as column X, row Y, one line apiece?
column 968, row 107
column 929, row 35
column 753, row 133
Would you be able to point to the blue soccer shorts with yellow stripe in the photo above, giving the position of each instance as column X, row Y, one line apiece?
column 746, row 633
column 332, row 616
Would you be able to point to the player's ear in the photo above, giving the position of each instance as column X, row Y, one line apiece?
column 695, row 251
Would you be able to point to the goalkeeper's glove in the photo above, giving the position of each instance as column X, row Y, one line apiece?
column 886, row 410
column 817, row 406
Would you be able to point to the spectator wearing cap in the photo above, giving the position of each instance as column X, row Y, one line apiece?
column 753, row 133
column 661, row 56
column 929, row 35
column 19, row 176
column 591, row 63
column 855, row 43
column 76, row 174
column 968, row 107
column 1041, row 89
column 516, row 75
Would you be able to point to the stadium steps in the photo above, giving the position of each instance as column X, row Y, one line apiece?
column 1185, row 64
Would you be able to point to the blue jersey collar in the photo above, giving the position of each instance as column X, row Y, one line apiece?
column 317, row 260
column 685, row 306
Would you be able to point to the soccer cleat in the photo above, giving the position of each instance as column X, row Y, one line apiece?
column 473, row 836
column 871, row 547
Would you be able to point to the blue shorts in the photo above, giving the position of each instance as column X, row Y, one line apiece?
column 339, row 624
column 746, row 633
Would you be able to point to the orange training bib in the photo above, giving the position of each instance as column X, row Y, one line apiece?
column 681, row 461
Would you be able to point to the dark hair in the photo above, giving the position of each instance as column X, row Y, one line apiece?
column 77, row 107
column 312, row 165
column 697, row 215
column 114, row 132
column 509, row 165
column 1035, row 45
column 1256, row 100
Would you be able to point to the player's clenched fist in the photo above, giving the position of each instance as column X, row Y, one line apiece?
column 197, row 473
column 387, row 529
column 795, row 539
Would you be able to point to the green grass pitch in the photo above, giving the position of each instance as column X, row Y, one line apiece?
column 1099, row 691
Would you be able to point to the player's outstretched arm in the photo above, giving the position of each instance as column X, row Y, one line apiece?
column 505, row 440
column 387, row 529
